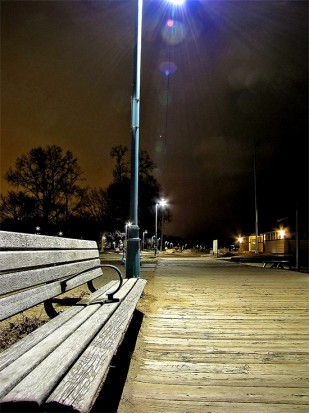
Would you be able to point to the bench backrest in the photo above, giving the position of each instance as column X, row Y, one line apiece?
column 36, row 268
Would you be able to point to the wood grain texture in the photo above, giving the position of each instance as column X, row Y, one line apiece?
column 29, row 341
column 14, row 281
column 19, row 348
column 79, row 387
column 35, row 269
column 13, row 304
column 13, row 260
column 16, row 240
column 16, row 371
column 221, row 337
column 53, row 356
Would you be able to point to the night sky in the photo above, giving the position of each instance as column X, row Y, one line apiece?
column 218, row 79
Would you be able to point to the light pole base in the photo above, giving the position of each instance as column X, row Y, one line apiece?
column 133, row 253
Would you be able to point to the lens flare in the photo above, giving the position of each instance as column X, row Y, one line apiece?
column 174, row 32
column 168, row 68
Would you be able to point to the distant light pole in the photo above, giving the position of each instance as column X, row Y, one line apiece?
column 143, row 244
column 125, row 246
column 161, row 203
column 255, row 201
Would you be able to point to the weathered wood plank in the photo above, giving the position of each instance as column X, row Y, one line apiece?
column 18, row 370
column 11, row 282
column 231, row 368
column 16, row 240
column 244, row 378
column 13, row 304
column 220, row 338
column 13, row 260
column 78, row 388
column 236, row 345
column 63, row 353
column 34, row 269
column 198, row 406
column 204, row 393
column 22, row 346
column 19, row 348
column 245, row 333
column 264, row 357
column 237, row 316
column 27, row 361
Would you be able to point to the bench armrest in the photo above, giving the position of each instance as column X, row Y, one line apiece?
column 110, row 295
column 48, row 304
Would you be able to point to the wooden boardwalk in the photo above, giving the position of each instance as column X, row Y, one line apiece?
column 220, row 337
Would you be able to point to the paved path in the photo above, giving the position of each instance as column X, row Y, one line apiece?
column 220, row 337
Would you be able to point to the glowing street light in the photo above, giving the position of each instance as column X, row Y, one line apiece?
column 177, row 2
column 281, row 233
column 162, row 203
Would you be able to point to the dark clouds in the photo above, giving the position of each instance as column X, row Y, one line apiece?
column 240, row 73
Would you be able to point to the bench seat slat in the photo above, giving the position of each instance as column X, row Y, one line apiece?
column 12, row 353
column 12, row 260
column 16, row 240
column 78, row 388
column 29, row 341
column 15, row 372
column 13, row 304
column 53, row 367
column 15, row 281
column 18, row 369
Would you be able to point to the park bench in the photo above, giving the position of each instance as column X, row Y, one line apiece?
column 61, row 366
column 277, row 263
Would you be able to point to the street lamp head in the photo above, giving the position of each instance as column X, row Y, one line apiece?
column 177, row 2
column 162, row 202
column 128, row 225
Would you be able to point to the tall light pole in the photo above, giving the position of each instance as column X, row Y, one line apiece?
column 133, row 242
column 255, row 201
column 161, row 203
column 156, row 230
column 143, row 244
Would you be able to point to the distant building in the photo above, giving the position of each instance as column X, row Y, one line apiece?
column 279, row 241
column 247, row 243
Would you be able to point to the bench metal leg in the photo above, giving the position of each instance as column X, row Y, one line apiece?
column 49, row 308
column 91, row 287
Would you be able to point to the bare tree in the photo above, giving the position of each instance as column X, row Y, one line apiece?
column 121, row 168
column 16, row 206
column 51, row 178
column 96, row 204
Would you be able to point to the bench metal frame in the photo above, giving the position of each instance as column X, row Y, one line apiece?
column 277, row 264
